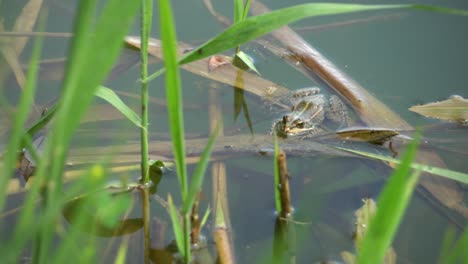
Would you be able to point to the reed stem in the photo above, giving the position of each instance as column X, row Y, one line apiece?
column 146, row 17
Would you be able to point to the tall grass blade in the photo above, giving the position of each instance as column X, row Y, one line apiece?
column 176, row 226
column 173, row 91
column 205, row 217
column 96, row 43
column 25, row 103
column 122, row 252
column 450, row 174
column 246, row 10
column 238, row 9
column 199, row 174
column 112, row 98
column 392, row 203
column 257, row 26
column 42, row 122
column 103, row 92
column 458, row 252
column 176, row 120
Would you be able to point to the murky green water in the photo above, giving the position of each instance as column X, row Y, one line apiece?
column 410, row 57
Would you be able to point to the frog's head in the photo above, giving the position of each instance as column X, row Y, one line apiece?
column 300, row 121
column 289, row 125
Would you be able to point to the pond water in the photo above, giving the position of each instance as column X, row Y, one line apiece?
column 402, row 57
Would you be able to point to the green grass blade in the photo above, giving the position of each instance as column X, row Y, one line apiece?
column 276, row 174
column 246, row 10
column 95, row 43
column 176, row 226
column 173, row 91
column 205, row 217
column 25, row 103
column 450, row 174
column 391, row 205
column 112, row 98
column 103, row 92
column 439, row 9
column 199, row 174
column 238, row 8
column 458, row 252
column 122, row 252
column 154, row 75
column 257, row 26
column 42, row 122
column 101, row 51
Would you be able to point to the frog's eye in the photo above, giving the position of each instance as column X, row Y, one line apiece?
column 299, row 123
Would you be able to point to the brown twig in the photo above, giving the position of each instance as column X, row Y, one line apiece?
column 195, row 222
column 284, row 185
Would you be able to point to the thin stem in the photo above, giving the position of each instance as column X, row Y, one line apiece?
column 187, row 227
column 146, row 224
column 146, row 10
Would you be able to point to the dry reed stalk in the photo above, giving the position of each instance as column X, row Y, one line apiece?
column 284, row 185
column 223, row 246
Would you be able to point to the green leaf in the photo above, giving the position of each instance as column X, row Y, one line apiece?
column 244, row 61
column 199, row 174
column 257, row 26
column 112, row 98
column 450, row 174
column 176, row 226
column 392, row 203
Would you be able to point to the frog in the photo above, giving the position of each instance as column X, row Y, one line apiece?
column 312, row 113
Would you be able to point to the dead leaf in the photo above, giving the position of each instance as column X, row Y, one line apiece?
column 217, row 61
column 453, row 109
column 364, row 216
column 25, row 23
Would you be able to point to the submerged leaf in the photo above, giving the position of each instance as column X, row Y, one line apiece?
column 453, row 109
column 372, row 135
